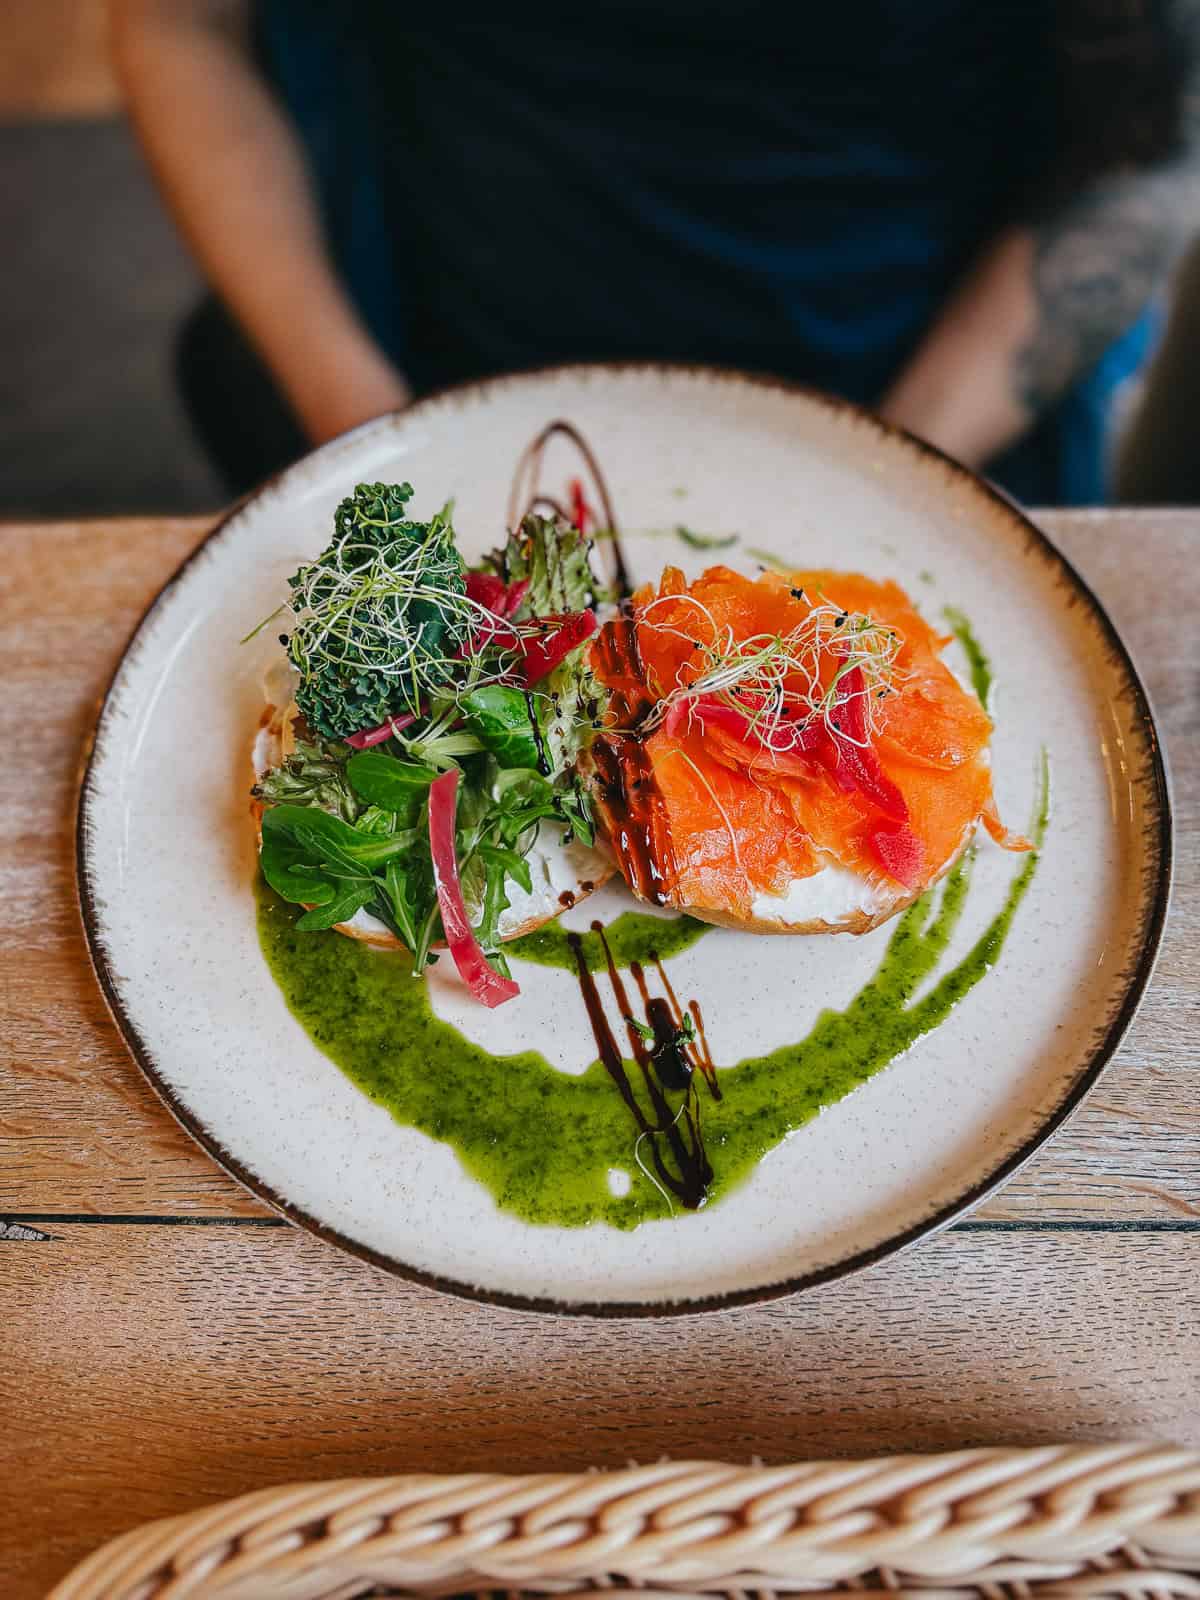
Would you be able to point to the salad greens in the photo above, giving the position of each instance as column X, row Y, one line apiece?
column 412, row 669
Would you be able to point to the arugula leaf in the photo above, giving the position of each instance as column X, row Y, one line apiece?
column 576, row 810
column 444, row 749
column 315, row 860
column 289, row 869
column 572, row 709
column 340, row 909
column 339, row 849
column 494, row 899
column 572, row 704
column 401, row 787
column 513, row 865
column 516, row 788
column 408, row 899
column 375, row 819
column 501, row 716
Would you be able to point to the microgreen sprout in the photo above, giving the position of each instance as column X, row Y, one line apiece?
column 354, row 608
column 781, row 682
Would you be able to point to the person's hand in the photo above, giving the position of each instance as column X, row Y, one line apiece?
column 350, row 387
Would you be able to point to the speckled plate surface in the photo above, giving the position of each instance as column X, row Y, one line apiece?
column 166, row 855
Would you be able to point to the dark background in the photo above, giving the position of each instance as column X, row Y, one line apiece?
column 93, row 284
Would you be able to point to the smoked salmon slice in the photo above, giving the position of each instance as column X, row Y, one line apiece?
column 770, row 727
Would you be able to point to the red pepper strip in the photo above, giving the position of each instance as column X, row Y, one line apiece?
column 854, row 762
column 513, row 595
column 675, row 716
column 581, row 512
column 541, row 652
column 856, row 768
column 716, row 713
column 484, row 982
column 373, row 736
column 851, row 767
column 502, row 599
column 739, row 723
column 852, row 712
column 796, row 741
column 893, row 844
column 900, row 853
column 486, row 589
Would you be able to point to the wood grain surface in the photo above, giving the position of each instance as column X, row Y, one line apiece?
column 166, row 1341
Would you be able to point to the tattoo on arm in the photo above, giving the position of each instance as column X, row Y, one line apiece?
column 1101, row 259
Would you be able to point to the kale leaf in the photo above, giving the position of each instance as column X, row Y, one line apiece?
column 379, row 614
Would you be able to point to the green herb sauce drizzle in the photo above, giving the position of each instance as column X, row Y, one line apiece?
column 977, row 661
column 632, row 936
column 543, row 1143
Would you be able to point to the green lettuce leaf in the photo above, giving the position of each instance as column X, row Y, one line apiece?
column 401, row 787
column 502, row 716
column 553, row 559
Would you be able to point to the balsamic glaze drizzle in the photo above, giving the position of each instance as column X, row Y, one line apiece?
column 634, row 815
column 526, row 494
column 639, row 831
column 667, row 1064
column 623, row 783
column 539, row 743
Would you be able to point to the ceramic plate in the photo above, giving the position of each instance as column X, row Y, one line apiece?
column 166, row 854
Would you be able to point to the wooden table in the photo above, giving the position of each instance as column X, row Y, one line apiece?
column 166, row 1341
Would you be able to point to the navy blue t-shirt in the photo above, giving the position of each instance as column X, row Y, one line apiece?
column 794, row 189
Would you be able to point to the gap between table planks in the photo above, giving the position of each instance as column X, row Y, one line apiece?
column 82, row 1133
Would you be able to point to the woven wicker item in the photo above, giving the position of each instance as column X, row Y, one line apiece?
column 1063, row 1521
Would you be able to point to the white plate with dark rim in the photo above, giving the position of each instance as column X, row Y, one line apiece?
column 166, row 855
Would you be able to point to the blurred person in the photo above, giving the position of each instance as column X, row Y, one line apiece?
column 959, row 212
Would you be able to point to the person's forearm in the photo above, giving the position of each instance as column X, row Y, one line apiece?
column 959, row 391
column 1039, row 310
column 232, row 172
column 1045, row 300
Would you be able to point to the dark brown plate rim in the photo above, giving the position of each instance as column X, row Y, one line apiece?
column 1137, row 977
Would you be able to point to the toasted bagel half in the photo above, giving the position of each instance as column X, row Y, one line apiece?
column 888, row 900
column 834, row 899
